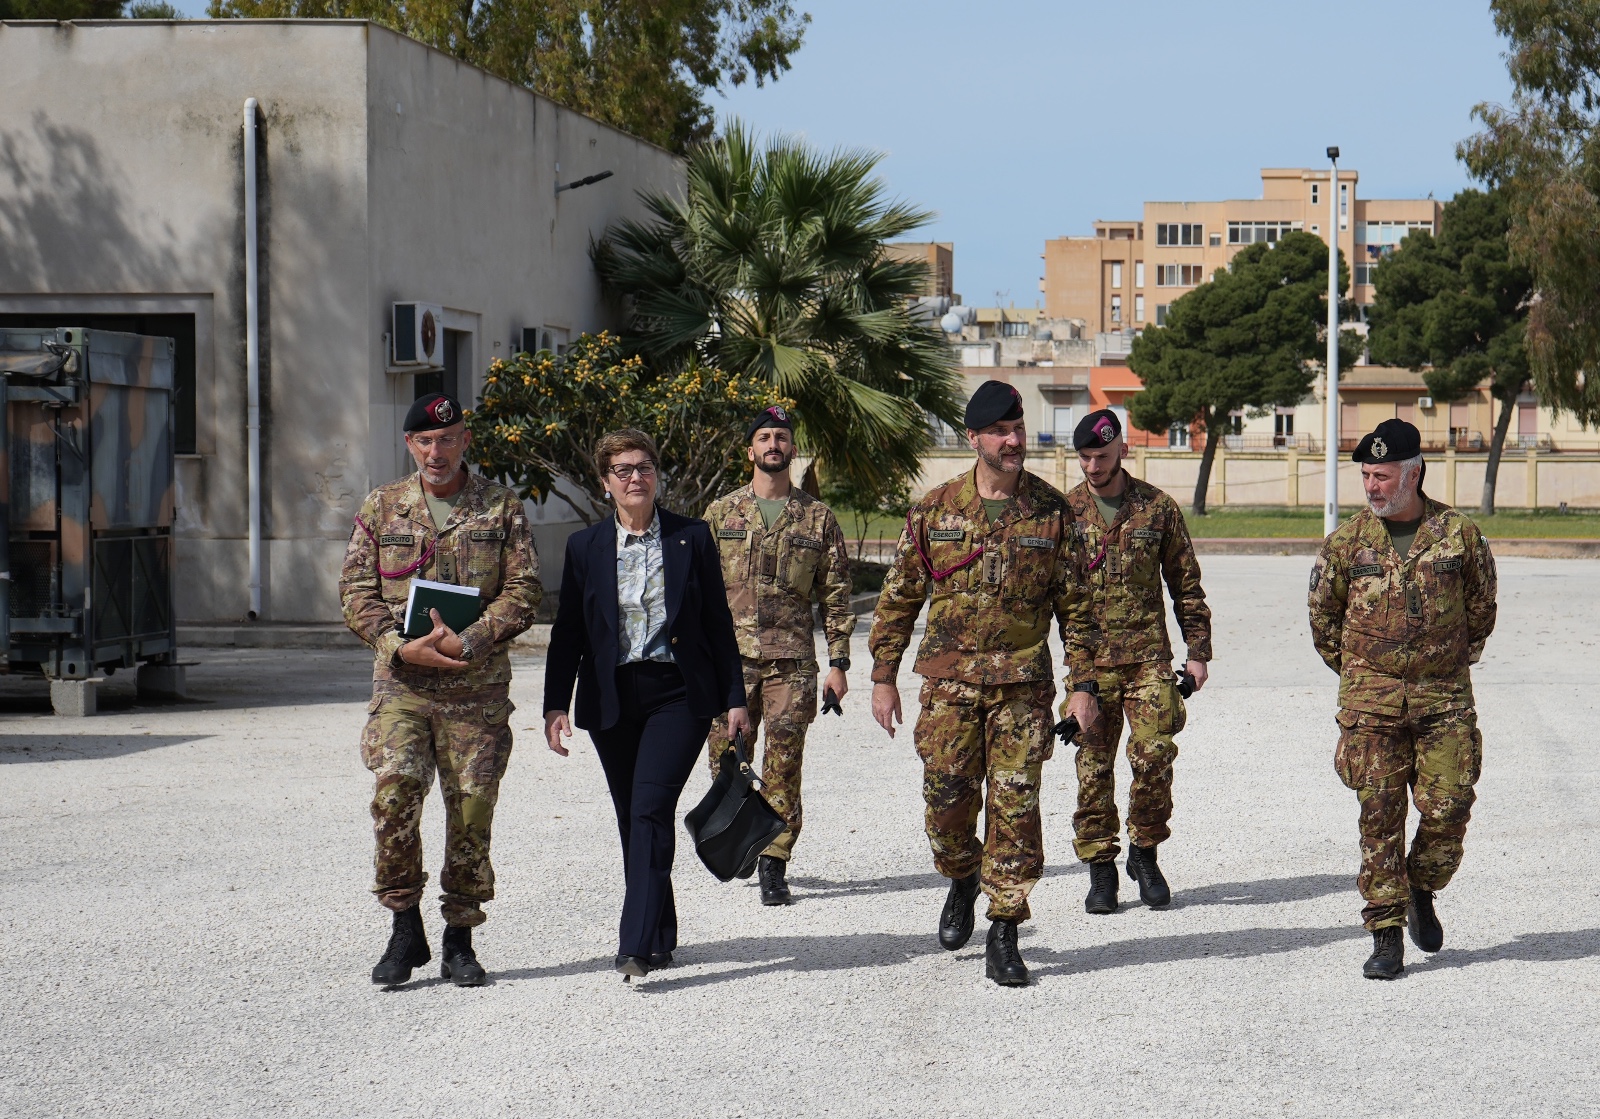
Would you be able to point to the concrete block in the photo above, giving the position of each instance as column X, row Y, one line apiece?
column 162, row 681
column 74, row 698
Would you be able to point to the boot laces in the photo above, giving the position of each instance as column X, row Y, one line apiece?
column 1005, row 944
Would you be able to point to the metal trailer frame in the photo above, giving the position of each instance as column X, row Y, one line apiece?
column 87, row 499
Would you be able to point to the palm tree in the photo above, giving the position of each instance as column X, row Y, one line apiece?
column 772, row 264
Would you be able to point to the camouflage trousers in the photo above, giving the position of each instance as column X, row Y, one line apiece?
column 968, row 735
column 784, row 694
column 1388, row 760
column 1148, row 695
column 466, row 737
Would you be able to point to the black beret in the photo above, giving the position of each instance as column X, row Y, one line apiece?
column 1096, row 430
column 1392, row 441
column 776, row 416
column 431, row 412
column 994, row 401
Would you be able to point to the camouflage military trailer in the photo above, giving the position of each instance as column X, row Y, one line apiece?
column 86, row 510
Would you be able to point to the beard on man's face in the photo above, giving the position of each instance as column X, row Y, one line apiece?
column 774, row 462
column 996, row 461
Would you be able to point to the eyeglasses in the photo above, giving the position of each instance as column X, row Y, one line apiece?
column 429, row 442
column 626, row 470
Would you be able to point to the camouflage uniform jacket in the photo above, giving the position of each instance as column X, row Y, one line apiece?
column 772, row 573
column 485, row 544
column 1402, row 633
column 1146, row 543
column 988, row 619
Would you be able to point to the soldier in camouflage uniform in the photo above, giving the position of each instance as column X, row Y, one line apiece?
column 440, row 702
column 780, row 548
column 992, row 552
column 1133, row 538
column 1402, row 599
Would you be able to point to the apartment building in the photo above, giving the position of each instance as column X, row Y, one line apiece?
column 938, row 256
column 1127, row 273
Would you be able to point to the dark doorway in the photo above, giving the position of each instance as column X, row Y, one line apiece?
column 447, row 380
column 180, row 328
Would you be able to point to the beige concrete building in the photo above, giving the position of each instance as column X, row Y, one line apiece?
column 938, row 256
column 1128, row 273
column 388, row 172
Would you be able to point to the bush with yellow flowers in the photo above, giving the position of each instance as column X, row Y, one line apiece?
column 539, row 416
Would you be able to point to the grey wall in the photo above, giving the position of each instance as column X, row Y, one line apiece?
column 121, row 188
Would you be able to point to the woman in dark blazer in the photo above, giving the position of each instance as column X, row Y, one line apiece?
column 644, row 630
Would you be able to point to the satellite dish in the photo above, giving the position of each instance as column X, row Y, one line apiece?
column 951, row 323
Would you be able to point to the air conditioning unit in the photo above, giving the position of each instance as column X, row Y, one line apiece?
column 1424, row 402
column 418, row 334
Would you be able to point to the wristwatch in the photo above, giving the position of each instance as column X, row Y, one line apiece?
column 1090, row 686
column 841, row 663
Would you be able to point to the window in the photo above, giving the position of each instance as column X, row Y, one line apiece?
column 1373, row 233
column 1116, row 273
column 1178, row 435
column 1014, row 330
column 1138, row 273
column 1179, row 275
column 1161, row 313
column 1172, row 233
column 1138, row 308
column 1365, row 273
column 1216, row 239
column 1116, row 308
column 1235, row 422
column 1315, row 192
column 1249, row 232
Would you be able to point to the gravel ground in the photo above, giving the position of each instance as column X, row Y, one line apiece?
column 183, row 897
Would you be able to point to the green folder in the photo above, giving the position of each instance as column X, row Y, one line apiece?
column 458, row 606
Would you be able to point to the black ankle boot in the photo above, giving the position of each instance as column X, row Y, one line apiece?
column 1426, row 931
column 1388, row 957
column 771, row 871
column 408, row 948
column 955, row 921
column 1142, row 868
column 1102, row 896
column 1002, row 962
column 458, row 962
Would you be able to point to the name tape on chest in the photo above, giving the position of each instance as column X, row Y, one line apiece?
column 487, row 534
column 1364, row 569
column 806, row 542
column 947, row 534
column 1147, row 534
column 397, row 538
column 1035, row 542
column 732, row 533
column 1441, row 566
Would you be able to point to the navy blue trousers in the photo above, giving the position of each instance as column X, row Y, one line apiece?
column 647, row 758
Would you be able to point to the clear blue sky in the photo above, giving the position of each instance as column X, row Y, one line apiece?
column 1021, row 120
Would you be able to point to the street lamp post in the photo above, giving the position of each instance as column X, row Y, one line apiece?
column 1330, row 513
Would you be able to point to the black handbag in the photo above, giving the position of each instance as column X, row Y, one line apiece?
column 733, row 823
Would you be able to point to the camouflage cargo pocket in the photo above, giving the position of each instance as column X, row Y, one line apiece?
column 1373, row 752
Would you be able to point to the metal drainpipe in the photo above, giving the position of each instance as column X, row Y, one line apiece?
column 252, row 355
